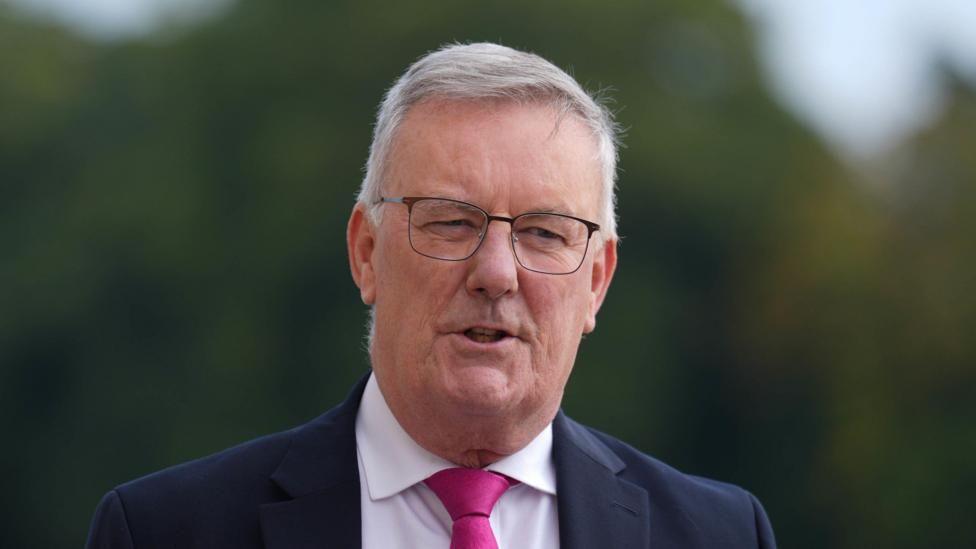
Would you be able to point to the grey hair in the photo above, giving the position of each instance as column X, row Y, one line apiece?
column 490, row 72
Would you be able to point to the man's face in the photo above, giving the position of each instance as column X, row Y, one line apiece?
column 507, row 159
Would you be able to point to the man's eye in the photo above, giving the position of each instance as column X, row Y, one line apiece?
column 448, row 223
column 458, row 224
column 541, row 233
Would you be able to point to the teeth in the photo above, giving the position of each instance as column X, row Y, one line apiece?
column 484, row 335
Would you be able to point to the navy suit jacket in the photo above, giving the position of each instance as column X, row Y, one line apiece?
column 300, row 489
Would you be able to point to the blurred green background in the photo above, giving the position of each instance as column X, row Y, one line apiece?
column 174, row 280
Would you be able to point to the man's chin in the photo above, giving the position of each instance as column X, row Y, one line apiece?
column 480, row 390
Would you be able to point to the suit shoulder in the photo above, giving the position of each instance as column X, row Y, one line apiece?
column 253, row 459
column 718, row 510
column 641, row 464
column 217, row 500
column 208, row 502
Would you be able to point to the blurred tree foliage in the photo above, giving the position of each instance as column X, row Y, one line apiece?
column 172, row 215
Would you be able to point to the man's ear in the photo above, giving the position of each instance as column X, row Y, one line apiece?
column 604, row 265
column 360, row 241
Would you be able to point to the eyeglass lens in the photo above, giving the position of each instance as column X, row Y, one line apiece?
column 450, row 230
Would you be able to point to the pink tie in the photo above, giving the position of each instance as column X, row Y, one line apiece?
column 469, row 496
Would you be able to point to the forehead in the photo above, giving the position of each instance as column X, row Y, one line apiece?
column 503, row 156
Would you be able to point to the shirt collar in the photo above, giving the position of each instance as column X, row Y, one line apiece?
column 393, row 462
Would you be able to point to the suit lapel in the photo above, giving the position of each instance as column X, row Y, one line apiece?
column 596, row 508
column 320, row 473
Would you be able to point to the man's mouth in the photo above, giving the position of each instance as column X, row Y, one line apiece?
column 485, row 335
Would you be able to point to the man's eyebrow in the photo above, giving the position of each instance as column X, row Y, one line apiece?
column 541, row 210
column 558, row 211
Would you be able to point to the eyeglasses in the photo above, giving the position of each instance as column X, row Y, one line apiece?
column 451, row 230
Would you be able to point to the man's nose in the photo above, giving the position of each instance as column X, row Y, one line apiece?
column 493, row 268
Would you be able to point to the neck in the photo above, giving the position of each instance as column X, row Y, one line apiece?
column 472, row 441
column 475, row 459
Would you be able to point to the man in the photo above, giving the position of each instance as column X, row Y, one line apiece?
column 484, row 242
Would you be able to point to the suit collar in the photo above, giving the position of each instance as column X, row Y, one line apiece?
column 596, row 507
column 321, row 474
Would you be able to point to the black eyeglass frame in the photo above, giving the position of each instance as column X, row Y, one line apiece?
column 409, row 201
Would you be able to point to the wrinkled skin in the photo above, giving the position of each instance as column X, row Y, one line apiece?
column 466, row 400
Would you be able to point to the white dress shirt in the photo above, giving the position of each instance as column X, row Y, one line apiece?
column 400, row 511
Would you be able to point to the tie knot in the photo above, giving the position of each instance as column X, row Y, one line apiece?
column 467, row 492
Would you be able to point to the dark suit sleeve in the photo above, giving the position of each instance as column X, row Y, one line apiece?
column 764, row 531
column 109, row 527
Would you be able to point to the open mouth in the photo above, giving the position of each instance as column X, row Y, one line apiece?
column 485, row 335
